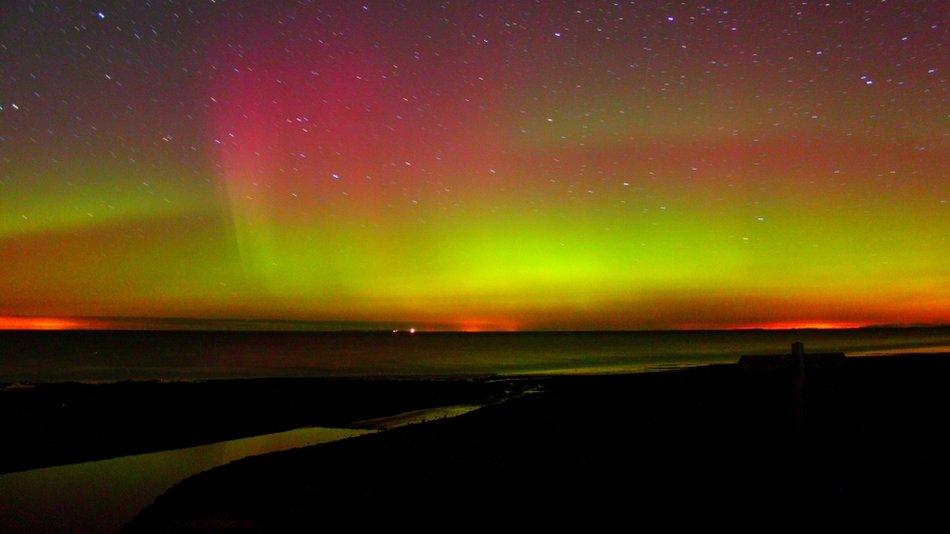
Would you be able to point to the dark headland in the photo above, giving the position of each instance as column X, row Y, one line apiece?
column 865, row 447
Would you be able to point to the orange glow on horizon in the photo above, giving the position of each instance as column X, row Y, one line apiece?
column 463, row 326
column 801, row 325
column 42, row 323
column 486, row 326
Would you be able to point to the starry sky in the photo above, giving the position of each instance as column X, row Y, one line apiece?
column 476, row 165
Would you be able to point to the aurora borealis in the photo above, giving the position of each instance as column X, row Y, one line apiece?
column 476, row 165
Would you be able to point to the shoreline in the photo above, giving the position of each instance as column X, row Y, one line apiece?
column 666, row 407
column 482, row 389
column 591, row 450
column 68, row 423
column 934, row 350
column 31, row 498
column 184, row 356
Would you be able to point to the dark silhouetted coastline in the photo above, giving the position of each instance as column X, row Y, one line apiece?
column 65, row 423
column 705, row 447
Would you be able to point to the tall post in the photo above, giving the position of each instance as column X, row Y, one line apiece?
column 798, row 354
column 798, row 388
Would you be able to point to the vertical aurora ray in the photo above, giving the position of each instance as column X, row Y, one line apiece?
column 481, row 164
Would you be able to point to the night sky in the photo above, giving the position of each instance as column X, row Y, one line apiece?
column 477, row 165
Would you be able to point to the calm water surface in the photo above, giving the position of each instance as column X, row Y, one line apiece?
column 96, row 355
column 102, row 496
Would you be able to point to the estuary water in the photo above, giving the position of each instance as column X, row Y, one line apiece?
column 103, row 495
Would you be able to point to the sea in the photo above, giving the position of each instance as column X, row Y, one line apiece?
column 106, row 356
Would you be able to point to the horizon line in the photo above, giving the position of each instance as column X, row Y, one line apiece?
column 145, row 324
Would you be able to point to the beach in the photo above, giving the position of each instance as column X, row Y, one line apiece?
column 65, row 423
column 88, row 457
column 712, row 446
column 854, row 443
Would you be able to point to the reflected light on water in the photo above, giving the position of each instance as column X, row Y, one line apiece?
column 102, row 496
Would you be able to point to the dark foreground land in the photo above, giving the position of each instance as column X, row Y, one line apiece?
column 63, row 423
column 706, row 447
